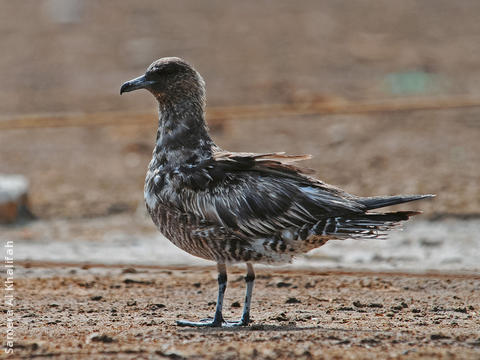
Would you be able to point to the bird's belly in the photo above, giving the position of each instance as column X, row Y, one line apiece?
column 194, row 237
column 212, row 242
column 216, row 243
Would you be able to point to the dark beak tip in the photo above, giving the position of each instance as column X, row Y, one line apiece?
column 134, row 84
column 124, row 87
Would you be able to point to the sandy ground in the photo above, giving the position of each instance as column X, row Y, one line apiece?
column 73, row 312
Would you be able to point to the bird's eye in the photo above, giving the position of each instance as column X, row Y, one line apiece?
column 153, row 74
column 160, row 72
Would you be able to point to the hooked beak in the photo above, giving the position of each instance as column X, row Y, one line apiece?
column 138, row 83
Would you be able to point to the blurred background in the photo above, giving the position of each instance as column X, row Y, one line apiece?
column 384, row 95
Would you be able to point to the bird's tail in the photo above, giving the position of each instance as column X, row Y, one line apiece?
column 367, row 225
column 377, row 202
column 361, row 226
column 373, row 225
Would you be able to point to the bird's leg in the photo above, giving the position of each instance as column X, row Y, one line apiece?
column 222, row 286
column 245, row 320
column 218, row 319
column 249, row 279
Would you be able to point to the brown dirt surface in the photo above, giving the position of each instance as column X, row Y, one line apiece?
column 420, row 152
column 73, row 312
column 249, row 52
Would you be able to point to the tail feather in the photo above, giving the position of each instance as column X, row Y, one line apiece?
column 377, row 202
column 368, row 225
column 394, row 216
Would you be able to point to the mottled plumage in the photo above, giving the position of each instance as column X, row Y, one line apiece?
column 240, row 207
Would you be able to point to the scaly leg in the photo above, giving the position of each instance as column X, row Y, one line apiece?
column 249, row 279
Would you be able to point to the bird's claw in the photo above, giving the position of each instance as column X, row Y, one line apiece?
column 202, row 323
column 211, row 323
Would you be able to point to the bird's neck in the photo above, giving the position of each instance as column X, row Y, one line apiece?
column 182, row 133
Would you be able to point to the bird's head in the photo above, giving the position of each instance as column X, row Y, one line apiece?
column 170, row 80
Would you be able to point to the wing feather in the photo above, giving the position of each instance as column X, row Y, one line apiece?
column 261, row 194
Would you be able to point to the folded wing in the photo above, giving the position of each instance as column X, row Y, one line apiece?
column 261, row 194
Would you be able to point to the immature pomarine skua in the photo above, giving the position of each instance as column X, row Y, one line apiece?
column 240, row 207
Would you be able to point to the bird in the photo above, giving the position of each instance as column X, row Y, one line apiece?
column 240, row 207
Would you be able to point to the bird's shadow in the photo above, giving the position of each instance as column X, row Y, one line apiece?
column 266, row 328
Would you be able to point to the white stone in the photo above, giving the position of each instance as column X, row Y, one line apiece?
column 13, row 196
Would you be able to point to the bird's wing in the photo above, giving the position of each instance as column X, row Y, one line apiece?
column 260, row 194
column 275, row 159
